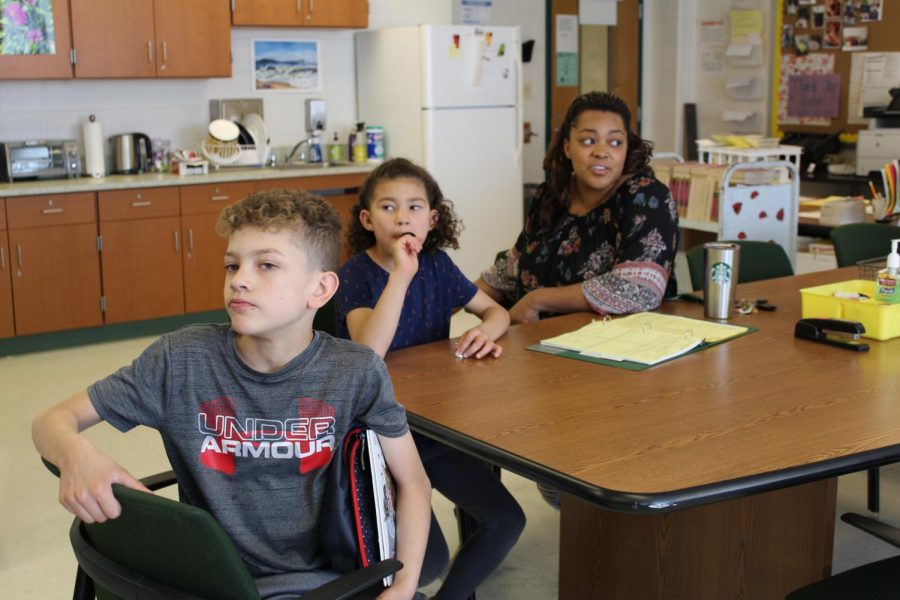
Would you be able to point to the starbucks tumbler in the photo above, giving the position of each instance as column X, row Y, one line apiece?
column 720, row 268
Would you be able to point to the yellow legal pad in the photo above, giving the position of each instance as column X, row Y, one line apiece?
column 646, row 338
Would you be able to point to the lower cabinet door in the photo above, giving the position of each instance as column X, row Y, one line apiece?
column 55, row 278
column 142, row 275
column 7, row 324
column 204, row 263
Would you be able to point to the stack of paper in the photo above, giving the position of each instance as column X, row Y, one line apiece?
column 646, row 338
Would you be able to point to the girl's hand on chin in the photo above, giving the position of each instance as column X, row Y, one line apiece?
column 406, row 254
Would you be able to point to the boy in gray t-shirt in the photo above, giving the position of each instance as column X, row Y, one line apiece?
column 250, row 413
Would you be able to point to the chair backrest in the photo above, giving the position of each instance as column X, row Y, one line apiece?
column 324, row 320
column 859, row 241
column 759, row 260
column 170, row 543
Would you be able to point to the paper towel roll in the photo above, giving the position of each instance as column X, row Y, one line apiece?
column 94, row 163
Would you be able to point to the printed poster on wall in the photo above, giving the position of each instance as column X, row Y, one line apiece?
column 814, row 96
column 476, row 12
column 286, row 65
column 566, row 50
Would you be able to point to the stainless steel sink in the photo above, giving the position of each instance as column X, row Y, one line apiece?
column 302, row 165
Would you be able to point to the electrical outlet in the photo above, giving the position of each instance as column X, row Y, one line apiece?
column 526, row 90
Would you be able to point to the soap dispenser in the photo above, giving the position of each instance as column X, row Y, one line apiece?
column 886, row 284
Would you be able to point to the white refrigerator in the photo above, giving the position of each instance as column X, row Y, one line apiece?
column 449, row 98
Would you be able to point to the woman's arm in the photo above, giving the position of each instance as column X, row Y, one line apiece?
column 563, row 299
column 413, row 512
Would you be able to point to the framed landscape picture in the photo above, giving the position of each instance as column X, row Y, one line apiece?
column 286, row 65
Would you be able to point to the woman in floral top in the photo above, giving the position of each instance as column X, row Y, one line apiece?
column 602, row 231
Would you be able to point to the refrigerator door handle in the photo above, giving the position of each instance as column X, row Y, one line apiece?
column 520, row 113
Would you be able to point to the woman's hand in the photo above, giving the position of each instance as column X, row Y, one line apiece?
column 525, row 310
column 475, row 343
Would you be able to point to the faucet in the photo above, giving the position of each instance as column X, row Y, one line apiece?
column 302, row 156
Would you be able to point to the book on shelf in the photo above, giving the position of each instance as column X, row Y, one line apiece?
column 385, row 501
column 647, row 338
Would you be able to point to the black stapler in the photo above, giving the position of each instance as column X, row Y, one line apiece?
column 835, row 332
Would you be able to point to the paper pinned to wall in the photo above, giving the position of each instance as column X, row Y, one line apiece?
column 746, row 26
column 814, row 96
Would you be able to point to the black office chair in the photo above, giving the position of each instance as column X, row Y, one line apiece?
column 759, row 260
column 159, row 548
column 860, row 241
column 879, row 580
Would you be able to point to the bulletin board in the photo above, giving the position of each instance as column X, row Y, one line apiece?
column 881, row 36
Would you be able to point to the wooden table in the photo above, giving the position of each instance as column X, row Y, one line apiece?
column 710, row 476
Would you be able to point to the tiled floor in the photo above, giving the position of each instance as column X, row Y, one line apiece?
column 36, row 561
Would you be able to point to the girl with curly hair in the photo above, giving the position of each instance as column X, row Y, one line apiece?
column 602, row 231
column 400, row 289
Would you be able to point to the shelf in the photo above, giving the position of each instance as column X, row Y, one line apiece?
column 710, row 226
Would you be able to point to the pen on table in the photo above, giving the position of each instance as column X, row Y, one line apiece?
column 850, row 295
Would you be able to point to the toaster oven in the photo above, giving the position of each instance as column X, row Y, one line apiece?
column 39, row 159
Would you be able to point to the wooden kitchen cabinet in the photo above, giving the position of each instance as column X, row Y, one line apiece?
column 151, row 38
column 301, row 13
column 203, row 249
column 55, row 264
column 141, row 254
column 44, row 66
column 7, row 324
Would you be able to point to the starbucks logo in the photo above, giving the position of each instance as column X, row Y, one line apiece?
column 721, row 273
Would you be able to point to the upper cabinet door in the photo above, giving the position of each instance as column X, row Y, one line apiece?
column 113, row 38
column 193, row 39
column 284, row 13
column 31, row 30
column 336, row 13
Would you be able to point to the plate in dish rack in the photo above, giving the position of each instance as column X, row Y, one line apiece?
column 257, row 128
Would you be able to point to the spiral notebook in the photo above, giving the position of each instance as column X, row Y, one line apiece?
column 643, row 338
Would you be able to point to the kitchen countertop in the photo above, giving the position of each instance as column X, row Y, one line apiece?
column 121, row 182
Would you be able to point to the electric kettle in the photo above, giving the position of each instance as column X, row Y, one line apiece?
column 130, row 152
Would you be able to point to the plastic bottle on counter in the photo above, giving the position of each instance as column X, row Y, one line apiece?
column 888, row 278
column 336, row 150
column 360, row 151
column 375, row 143
column 315, row 147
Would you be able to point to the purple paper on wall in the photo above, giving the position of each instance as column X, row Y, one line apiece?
column 814, row 95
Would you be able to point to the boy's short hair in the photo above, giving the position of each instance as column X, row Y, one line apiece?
column 314, row 221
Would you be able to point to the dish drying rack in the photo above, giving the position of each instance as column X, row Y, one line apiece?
column 234, row 155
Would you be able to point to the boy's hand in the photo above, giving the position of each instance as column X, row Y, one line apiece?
column 405, row 252
column 475, row 343
column 85, row 483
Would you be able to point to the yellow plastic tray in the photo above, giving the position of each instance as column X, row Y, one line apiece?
column 882, row 321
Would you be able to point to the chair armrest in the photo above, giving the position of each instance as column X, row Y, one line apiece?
column 160, row 480
column 351, row 584
column 50, row 466
column 882, row 531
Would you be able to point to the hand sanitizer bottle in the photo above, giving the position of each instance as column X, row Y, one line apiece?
column 888, row 277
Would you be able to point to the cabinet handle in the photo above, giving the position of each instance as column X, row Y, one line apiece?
column 190, row 239
column 142, row 203
column 19, row 252
column 150, row 51
column 165, row 46
column 299, row 6
column 312, row 8
column 51, row 211
column 177, row 242
column 2, row 259
column 219, row 198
